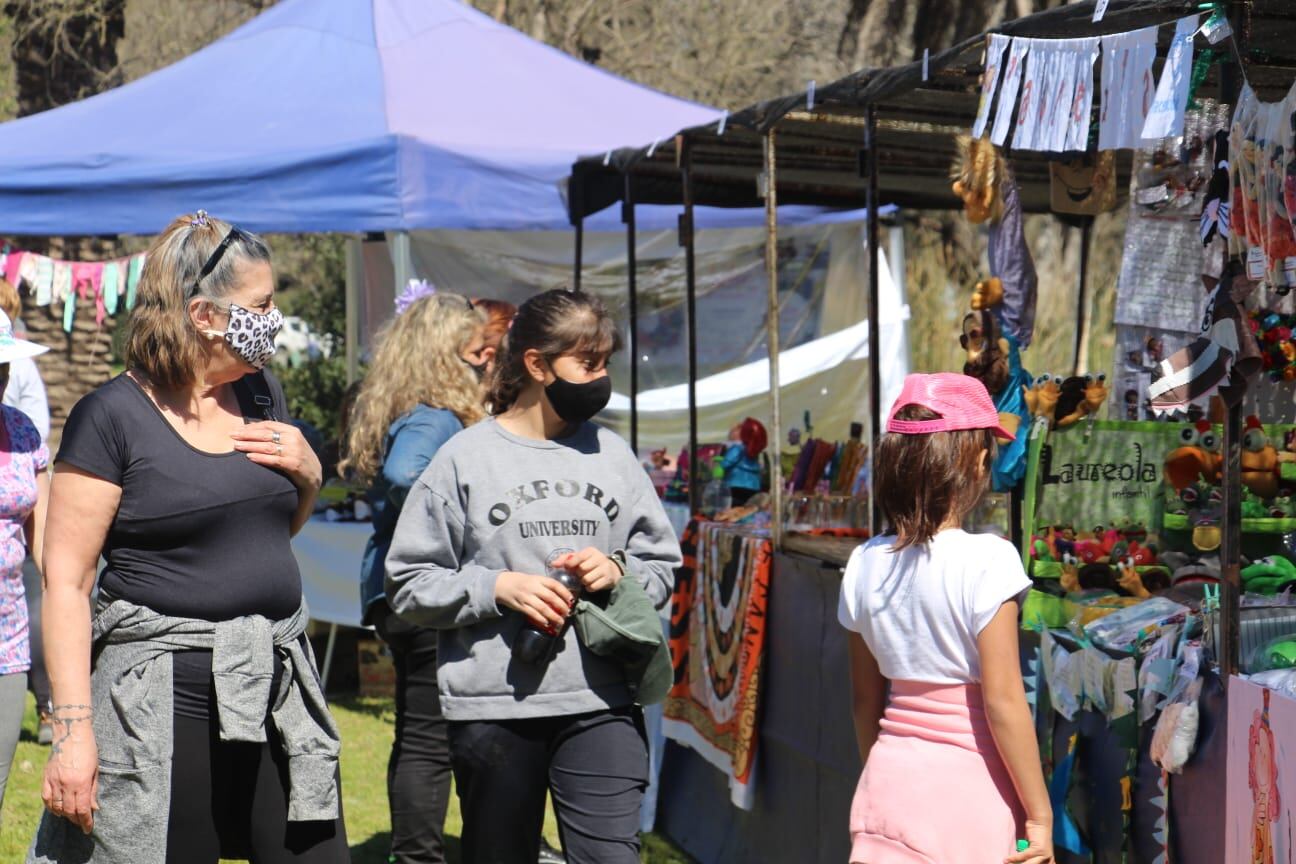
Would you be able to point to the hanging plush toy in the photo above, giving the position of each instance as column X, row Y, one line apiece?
column 977, row 175
column 1197, row 457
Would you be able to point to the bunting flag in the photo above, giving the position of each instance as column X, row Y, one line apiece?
column 110, row 285
column 1165, row 119
column 990, row 80
column 1011, row 84
column 1059, row 83
column 1127, row 87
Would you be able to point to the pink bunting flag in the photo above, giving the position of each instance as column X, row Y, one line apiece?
column 13, row 264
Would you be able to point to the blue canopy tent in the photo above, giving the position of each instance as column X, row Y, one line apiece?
column 332, row 115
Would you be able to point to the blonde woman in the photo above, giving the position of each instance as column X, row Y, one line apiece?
column 422, row 388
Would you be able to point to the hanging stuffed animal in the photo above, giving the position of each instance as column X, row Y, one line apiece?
column 977, row 174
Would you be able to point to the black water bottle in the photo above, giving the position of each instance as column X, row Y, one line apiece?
column 533, row 644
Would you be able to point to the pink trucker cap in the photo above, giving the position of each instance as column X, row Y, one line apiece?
column 961, row 400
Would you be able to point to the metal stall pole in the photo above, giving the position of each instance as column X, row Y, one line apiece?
column 686, row 240
column 1227, row 640
column 874, row 329
column 628, row 217
column 354, row 298
column 580, row 251
column 1078, row 351
column 772, row 340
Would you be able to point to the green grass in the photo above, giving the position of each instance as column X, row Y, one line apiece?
column 366, row 726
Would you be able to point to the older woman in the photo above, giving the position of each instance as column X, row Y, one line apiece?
column 189, row 722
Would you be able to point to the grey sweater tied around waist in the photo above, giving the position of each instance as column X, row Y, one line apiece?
column 132, row 690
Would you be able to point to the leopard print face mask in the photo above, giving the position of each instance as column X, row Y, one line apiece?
column 252, row 336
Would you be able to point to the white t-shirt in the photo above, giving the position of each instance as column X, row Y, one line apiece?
column 26, row 392
column 920, row 610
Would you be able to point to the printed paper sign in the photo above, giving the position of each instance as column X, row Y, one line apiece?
column 1011, row 85
column 990, row 81
column 1127, row 87
column 1261, row 772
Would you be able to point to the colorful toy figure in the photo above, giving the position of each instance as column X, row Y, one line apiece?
column 987, row 294
column 1197, row 457
column 1070, row 579
column 1271, row 575
column 1092, row 395
column 1131, row 582
column 1259, row 460
column 1042, row 397
column 1262, row 777
column 977, row 174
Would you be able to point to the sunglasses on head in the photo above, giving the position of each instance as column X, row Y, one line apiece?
column 234, row 235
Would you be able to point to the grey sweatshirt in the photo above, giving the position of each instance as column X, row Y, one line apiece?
column 491, row 501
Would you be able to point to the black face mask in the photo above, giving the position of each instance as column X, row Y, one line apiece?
column 576, row 403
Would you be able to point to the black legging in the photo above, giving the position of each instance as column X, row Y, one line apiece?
column 229, row 800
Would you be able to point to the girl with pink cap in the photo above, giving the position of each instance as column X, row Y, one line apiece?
column 951, row 769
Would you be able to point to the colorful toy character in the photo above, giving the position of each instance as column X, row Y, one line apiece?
column 1203, row 504
column 977, row 175
column 993, row 358
column 1271, row 575
column 1080, row 397
column 1259, row 460
column 1280, row 508
column 1130, row 581
column 1262, row 777
column 1253, row 507
column 1070, row 579
column 1197, row 457
column 1042, row 397
column 987, row 294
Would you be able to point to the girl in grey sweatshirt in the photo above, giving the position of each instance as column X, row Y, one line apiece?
column 536, row 486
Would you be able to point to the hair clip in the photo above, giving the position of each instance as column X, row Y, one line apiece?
column 414, row 291
column 199, row 220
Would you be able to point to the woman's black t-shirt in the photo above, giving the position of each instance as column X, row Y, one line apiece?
column 197, row 535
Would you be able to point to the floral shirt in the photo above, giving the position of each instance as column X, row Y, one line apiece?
column 19, row 464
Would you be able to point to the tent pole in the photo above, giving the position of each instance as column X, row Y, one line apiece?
column 874, row 324
column 696, row 477
column 1082, row 301
column 628, row 217
column 580, row 252
column 354, row 294
column 772, row 342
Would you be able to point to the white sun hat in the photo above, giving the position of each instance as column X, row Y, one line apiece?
column 12, row 348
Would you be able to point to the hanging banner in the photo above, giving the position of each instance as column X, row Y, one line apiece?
column 1034, row 94
column 1127, row 87
column 1077, row 136
column 990, row 81
column 1165, row 119
column 111, row 286
column 1056, row 95
column 1092, row 475
column 44, row 280
column 1011, row 84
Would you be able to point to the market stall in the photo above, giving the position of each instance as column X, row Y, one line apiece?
column 1115, row 706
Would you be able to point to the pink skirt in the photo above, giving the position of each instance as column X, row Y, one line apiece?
column 935, row 790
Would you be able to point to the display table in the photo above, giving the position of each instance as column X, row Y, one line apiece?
column 328, row 556
column 807, row 763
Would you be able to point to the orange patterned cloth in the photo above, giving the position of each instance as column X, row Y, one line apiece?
column 719, row 616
